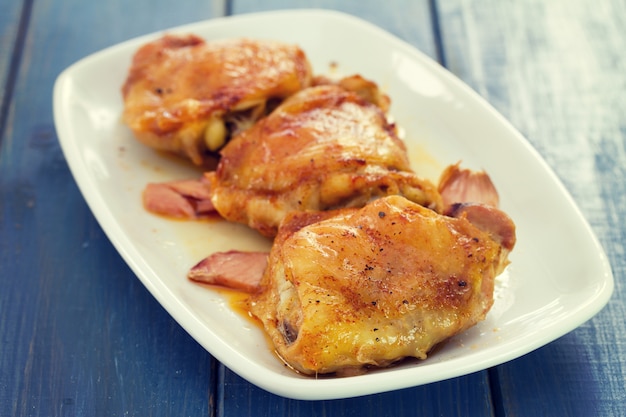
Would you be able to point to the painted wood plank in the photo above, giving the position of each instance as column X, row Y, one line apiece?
column 467, row 396
column 10, row 18
column 79, row 334
column 464, row 396
column 557, row 70
column 127, row 357
column 409, row 20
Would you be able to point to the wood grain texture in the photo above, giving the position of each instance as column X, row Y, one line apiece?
column 407, row 19
column 10, row 47
column 557, row 71
column 79, row 334
column 464, row 396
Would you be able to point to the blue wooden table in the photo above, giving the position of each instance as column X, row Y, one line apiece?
column 81, row 336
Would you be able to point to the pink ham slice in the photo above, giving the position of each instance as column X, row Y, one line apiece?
column 240, row 270
column 183, row 199
column 472, row 195
column 233, row 269
column 457, row 185
column 488, row 219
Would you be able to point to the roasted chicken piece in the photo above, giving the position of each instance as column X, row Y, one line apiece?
column 188, row 96
column 321, row 149
column 367, row 287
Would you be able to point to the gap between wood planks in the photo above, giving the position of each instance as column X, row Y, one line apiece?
column 223, row 8
column 437, row 37
column 14, row 65
column 497, row 402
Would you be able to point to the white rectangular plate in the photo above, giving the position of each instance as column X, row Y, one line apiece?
column 559, row 276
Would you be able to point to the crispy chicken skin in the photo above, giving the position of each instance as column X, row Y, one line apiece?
column 367, row 287
column 322, row 148
column 187, row 96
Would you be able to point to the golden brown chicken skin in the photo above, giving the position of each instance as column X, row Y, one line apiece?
column 323, row 148
column 367, row 287
column 187, row 96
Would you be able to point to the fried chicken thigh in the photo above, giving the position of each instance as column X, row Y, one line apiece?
column 323, row 148
column 368, row 287
column 188, row 96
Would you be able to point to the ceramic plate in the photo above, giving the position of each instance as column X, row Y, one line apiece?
column 546, row 291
